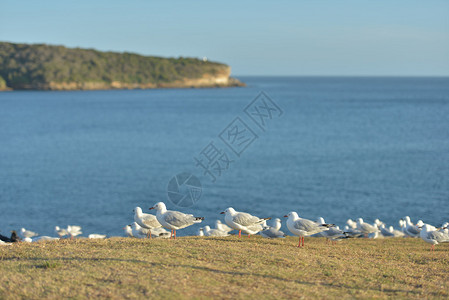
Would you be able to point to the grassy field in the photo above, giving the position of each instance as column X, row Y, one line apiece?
column 194, row 267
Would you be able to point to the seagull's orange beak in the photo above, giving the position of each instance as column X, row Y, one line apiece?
column 222, row 213
column 285, row 216
column 151, row 208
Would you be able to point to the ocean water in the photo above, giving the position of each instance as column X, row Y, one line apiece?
column 342, row 148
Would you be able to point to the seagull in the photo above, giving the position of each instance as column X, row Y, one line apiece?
column 255, row 229
column 351, row 224
column 147, row 221
column 45, row 238
column 273, row 232
column 396, row 233
column 27, row 234
column 351, row 232
column 242, row 221
column 410, row 229
column 74, row 230
column 334, row 234
column 366, row 228
column 200, row 232
column 174, row 220
column 386, row 232
column 214, row 232
column 159, row 233
column 432, row 236
column 303, row 227
column 222, row 227
column 96, row 236
column 128, row 230
column 138, row 231
column 61, row 231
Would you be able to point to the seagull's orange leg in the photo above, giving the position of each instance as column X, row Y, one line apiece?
column 240, row 233
column 248, row 235
column 299, row 245
column 303, row 241
column 175, row 233
column 171, row 234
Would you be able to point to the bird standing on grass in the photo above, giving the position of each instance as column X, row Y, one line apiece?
column 366, row 228
column 27, row 233
column 222, row 227
column 207, row 231
column 303, row 227
column 61, row 232
column 432, row 236
column 174, row 220
column 242, row 221
column 147, row 221
column 273, row 232
column 74, row 231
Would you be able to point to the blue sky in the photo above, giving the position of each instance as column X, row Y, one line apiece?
column 255, row 37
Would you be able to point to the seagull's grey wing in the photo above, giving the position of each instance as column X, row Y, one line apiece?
column 272, row 233
column 245, row 219
column 368, row 227
column 151, row 221
column 413, row 230
column 178, row 219
column 306, row 225
column 440, row 237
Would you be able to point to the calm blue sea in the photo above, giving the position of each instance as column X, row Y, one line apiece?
column 343, row 148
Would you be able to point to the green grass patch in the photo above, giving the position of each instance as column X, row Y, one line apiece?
column 231, row 268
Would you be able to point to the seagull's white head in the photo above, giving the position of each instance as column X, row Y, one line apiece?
column 426, row 228
column 360, row 220
column 420, row 223
column 292, row 215
column 137, row 211
column 22, row 230
column 206, row 228
column 57, row 228
column 160, row 206
column 321, row 220
column 228, row 211
column 407, row 219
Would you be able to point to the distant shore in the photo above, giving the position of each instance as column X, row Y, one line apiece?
column 57, row 68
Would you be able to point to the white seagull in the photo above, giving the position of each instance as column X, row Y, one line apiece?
column 200, row 232
column 274, row 231
column 61, row 231
column 74, row 230
column 128, row 230
column 96, row 236
column 303, row 227
column 222, row 227
column 432, row 236
column 214, row 232
column 242, row 221
column 138, row 231
column 27, row 234
column 147, row 221
column 366, row 228
column 174, row 220
column 45, row 239
column 412, row 230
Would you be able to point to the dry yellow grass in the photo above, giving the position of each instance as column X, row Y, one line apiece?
column 194, row 267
